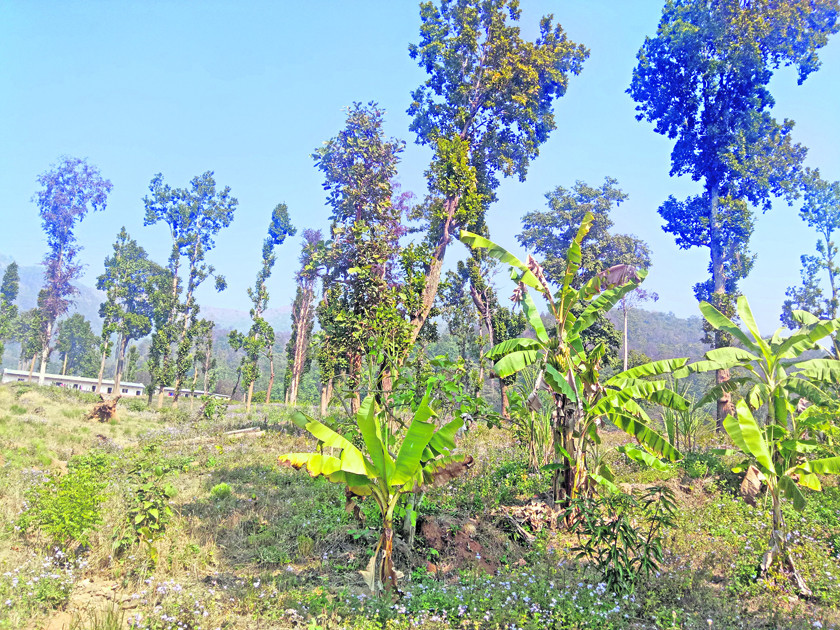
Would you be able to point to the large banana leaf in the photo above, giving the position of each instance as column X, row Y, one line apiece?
column 533, row 315
column 716, row 392
column 512, row 345
column 654, row 368
column 826, row 466
column 645, row 435
column 573, row 255
column 558, row 383
column 515, row 361
column 826, row 370
column 443, row 440
column 745, row 313
column 643, row 457
column 379, row 457
column 808, row 391
column 501, row 254
column 603, row 303
column 750, row 438
column 414, row 443
column 720, row 321
column 730, row 356
column 792, row 492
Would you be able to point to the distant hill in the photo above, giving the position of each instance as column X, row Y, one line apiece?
column 88, row 299
column 662, row 335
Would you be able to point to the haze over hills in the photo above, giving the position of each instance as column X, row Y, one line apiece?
column 88, row 299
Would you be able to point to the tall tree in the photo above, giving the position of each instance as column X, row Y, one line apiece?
column 303, row 315
column 194, row 216
column 627, row 303
column 485, row 110
column 361, row 290
column 260, row 338
column 77, row 344
column 821, row 211
column 703, row 81
column 8, row 309
column 127, row 310
column 29, row 331
column 550, row 233
column 71, row 189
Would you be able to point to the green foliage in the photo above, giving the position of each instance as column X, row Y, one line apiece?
column 221, row 491
column 77, row 343
column 424, row 458
column 580, row 398
column 622, row 535
column 65, row 507
column 8, row 309
column 148, row 510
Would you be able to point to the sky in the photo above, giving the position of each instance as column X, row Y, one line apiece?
column 249, row 89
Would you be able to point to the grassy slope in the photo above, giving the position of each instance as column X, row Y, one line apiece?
column 254, row 545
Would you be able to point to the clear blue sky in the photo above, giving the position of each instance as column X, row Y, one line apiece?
column 249, row 89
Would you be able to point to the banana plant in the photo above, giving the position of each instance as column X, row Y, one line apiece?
column 778, row 458
column 425, row 458
column 773, row 372
column 570, row 372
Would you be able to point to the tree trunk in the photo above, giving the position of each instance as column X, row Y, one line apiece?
column 326, row 396
column 624, row 309
column 102, row 368
column 270, row 379
column 777, row 550
column 194, row 383
column 32, row 366
column 504, row 395
column 724, row 403
column 389, row 575
column 45, row 353
column 433, row 273
column 301, row 344
column 160, row 396
column 118, row 370
column 64, row 365
column 248, row 398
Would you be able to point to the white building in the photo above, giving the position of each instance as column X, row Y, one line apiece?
column 80, row 383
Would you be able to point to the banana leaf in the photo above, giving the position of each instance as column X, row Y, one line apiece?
column 501, row 254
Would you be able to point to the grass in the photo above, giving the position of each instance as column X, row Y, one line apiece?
column 251, row 544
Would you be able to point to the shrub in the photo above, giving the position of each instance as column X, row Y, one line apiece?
column 221, row 491
column 148, row 512
column 65, row 507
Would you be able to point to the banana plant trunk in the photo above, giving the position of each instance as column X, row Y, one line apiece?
column 777, row 550
column 388, row 574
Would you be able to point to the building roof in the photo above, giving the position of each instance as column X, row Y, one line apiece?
column 70, row 377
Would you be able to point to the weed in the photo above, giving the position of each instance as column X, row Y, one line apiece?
column 221, row 491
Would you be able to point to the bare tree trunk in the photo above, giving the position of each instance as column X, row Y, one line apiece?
column 64, row 365
column 160, row 396
column 118, row 370
column 248, row 400
column 433, row 273
column 326, row 396
column 32, row 366
column 45, row 353
column 270, row 378
column 195, row 381
column 724, row 403
column 101, row 368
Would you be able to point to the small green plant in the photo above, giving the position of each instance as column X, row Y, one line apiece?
column 17, row 410
column 65, row 507
column 213, row 409
column 148, row 512
column 608, row 535
column 137, row 405
column 221, row 491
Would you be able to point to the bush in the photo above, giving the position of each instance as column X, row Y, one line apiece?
column 136, row 404
column 221, row 491
column 65, row 507
column 148, row 512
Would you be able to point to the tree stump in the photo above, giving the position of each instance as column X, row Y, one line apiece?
column 106, row 410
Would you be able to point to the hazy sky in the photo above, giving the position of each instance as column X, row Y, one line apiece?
column 250, row 89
